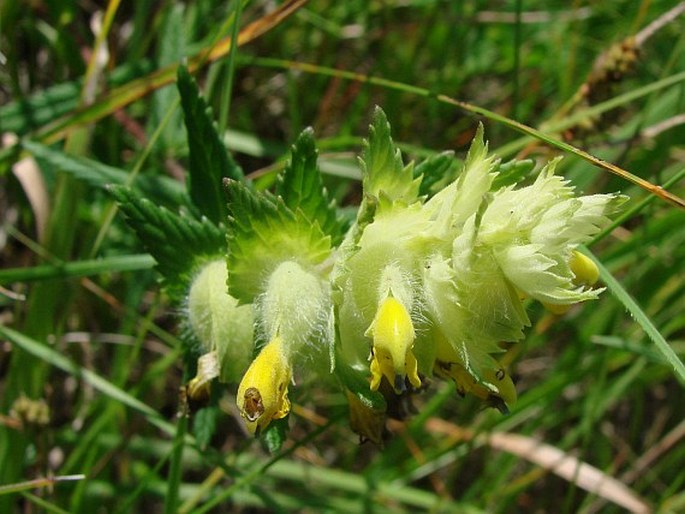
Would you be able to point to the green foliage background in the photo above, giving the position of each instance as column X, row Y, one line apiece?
column 85, row 328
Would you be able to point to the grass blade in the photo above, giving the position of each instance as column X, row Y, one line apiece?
column 176, row 467
column 58, row 360
column 641, row 318
column 128, row 93
column 38, row 482
column 481, row 111
column 78, row 268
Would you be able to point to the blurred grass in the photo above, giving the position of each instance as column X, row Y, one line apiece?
column 591, row 382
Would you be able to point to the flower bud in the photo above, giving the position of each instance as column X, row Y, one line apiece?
column 584, row 269
column 219, row 323
column 585, row 273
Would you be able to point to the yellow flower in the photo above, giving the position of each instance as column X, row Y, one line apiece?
column 263, row 391
column 393, row 340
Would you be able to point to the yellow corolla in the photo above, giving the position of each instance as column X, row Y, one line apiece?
column 393, row 340
column 585, row 273
column 584, row 269
column 263, row 391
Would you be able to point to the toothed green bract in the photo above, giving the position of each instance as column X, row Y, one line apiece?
column 300, row 186
column 210, row 161
column 178, row 243
column 383, row 172
column 262, row 233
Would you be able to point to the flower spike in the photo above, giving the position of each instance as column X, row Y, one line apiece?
column 433, row 270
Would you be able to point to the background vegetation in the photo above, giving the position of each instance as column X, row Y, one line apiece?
column 90, row 359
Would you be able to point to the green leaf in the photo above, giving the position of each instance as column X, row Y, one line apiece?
column 204, row 425
column 512, row 172
column 210, row 161
column 275, row 434
column 382, row 167
column 301, row 187
column 436, row 172
column 178, row 243
column 358, row 383
column 262, row 233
